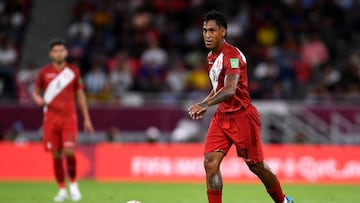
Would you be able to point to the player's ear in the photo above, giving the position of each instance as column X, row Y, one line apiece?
column 66, row 53
column 223, row 32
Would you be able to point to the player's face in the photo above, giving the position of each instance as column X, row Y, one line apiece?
column 213, row 35
column 58, row 53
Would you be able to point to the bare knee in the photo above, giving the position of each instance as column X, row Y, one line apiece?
column 210, row 165
column 57, row 154
column 212, row 162
column 257, row 168
column 262, row 171
column 69, row 152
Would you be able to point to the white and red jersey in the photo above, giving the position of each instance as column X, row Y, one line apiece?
column 229, row 60
column 59, row 88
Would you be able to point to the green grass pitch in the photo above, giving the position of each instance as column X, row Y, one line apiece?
column 120, row 192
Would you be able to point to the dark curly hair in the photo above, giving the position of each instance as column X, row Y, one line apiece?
column 218, row 16
column 57, row 41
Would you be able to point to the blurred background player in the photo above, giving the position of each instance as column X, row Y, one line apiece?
column 236, row 120
column 55, row 89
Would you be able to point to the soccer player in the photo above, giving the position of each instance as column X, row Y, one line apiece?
column 56, row 87
column 236, row 121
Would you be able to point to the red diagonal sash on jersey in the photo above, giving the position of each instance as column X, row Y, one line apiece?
column 58, row 84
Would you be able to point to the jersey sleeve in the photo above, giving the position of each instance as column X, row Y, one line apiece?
column 39, row 83
column 233, row 62
column 78, row 81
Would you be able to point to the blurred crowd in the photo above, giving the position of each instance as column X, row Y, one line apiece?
column 14, row 15
column 296, row 49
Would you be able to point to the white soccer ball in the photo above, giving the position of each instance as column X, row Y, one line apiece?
column 133, row 201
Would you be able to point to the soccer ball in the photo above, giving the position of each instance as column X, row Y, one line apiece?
column 133, row 201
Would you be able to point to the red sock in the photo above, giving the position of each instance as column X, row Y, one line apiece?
column 214, row 196
column 71, row 167
column 59, row 172
column 276, row 193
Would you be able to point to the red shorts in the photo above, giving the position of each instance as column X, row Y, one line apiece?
column 241, row 128
column 59, row 134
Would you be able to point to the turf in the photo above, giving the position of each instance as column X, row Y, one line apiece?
column 120, row 192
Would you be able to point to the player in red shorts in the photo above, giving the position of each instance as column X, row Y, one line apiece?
column 236, row 121
column 56, row 87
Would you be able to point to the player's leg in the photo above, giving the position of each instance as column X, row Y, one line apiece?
column 60, row 176
column 70, row 163
column 214, row 181
column 270, row 181
column 71, row 168
column 52, row 142
column 69, row 135
column 249, row 146
column 216, row 146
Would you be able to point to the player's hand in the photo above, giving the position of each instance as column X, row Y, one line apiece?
column 197, row 111
column 39, row 100
column 88, row 127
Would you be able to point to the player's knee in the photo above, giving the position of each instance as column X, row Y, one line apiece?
column 208, row 164
column 69, row 152
column 57, row 154
column 211, row 165
column 253, row 168
column 256, row 168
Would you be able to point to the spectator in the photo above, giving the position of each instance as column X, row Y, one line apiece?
column 176, row 78
column 96, row 83
column 81, row 28
column 153, row 62
column 8, row 53
column 267, row 72
column 120, row 76
column 8, row 59
column 154, row 55
column 198, row 78
column 314, row 51
column 267, row 35
column 26, row 78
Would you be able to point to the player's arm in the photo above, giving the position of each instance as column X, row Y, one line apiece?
column 81, row 98
column 232, row 65
column 209, row 96
column 229, row 90
column 36, row 94
column 37, row 97
column 196, row 111
column 230, row 83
